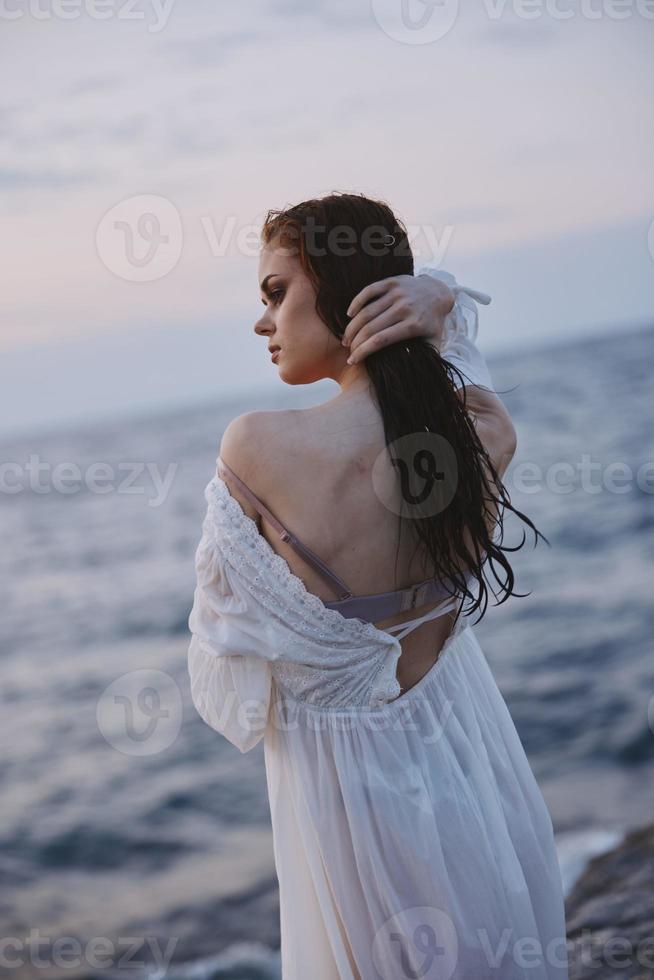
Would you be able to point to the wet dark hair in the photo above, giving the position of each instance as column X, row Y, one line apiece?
column 340, row 240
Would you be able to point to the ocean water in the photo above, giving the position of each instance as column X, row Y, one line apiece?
column 135, row 835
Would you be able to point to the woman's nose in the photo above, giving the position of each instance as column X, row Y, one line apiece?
column 262, row 325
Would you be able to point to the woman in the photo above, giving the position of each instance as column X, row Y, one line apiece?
column 339, row 547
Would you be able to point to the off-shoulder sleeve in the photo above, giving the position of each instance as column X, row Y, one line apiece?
column 466, row 356
column 460, row 331
column 229, row 652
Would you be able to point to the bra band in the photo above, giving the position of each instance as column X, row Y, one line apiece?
column 373, row 608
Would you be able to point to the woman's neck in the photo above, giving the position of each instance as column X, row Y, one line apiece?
column 354, row 380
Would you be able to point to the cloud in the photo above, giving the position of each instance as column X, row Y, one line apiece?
column 18, row 179
column 211, row 49
column 332, row 13
column 478, row 214
column 91, row 84
column 124, row 131
column 526, row 33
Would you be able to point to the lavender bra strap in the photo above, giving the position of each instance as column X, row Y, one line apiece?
column 339, row 586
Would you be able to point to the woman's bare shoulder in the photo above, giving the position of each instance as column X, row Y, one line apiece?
column 259, row 445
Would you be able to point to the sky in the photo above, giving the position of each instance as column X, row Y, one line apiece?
column 143, row 143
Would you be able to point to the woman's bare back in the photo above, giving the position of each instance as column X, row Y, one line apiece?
column 314, row 472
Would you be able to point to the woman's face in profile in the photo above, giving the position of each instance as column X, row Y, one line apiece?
column 309, row 351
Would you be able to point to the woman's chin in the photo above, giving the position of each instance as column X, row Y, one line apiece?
column 291, row 377
column 283, row 373
column 287, row 378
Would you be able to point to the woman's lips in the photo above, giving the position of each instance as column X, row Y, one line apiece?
column 273, row 356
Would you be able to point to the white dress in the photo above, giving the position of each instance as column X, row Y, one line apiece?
column 410, row 836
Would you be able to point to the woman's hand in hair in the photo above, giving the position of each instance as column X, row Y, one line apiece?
column 396, row 309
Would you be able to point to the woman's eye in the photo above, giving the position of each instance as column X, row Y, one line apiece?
column 275, row 296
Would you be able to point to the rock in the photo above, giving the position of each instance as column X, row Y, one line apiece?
column 610, row 913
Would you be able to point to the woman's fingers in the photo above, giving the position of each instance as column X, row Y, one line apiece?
column 415, row 306
column 389, row 318
column 368, row 315
column 372, row 291
column 383, row 338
